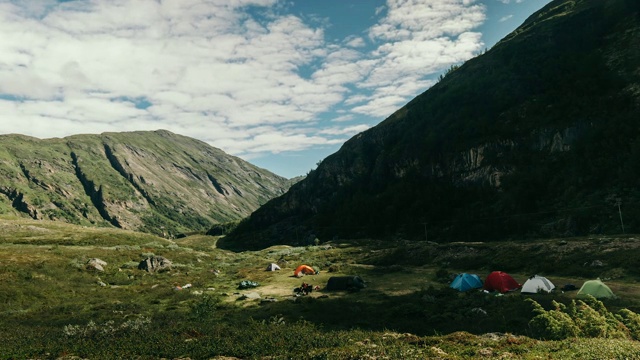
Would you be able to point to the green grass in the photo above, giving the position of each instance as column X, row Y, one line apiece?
column 54, row 307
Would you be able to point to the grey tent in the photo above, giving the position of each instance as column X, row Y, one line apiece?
column 273, row 267
column 345, row 283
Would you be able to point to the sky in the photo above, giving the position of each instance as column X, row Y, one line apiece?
column 279, row 83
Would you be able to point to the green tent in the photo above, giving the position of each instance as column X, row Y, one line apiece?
column 597, row 289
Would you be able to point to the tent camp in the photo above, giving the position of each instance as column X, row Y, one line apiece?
column 465, row 282
column 536, row 284
column 595, row 288
column 500, row 281
column 304, row 270
column 272, row 267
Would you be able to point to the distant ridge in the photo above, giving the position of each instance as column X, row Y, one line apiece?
column 151, row 181
column 539, row 136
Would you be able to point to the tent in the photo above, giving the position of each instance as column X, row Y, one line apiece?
column 352, row 283
column 500, row 281
column 536, row 284
column 464, row 282
column 304, row 270
column 595, row 288
column 272, row 267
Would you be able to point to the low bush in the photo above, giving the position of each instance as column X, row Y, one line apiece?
column 588, row 318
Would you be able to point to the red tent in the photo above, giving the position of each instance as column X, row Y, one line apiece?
column 500, row 281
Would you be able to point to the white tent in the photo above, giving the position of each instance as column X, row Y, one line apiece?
column 273, row 267
column 536, row 284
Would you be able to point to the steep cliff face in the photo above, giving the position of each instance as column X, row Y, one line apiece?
column 544, row 122
column 157, row 181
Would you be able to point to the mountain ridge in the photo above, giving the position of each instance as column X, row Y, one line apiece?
column 151, row 181
column 501, row 146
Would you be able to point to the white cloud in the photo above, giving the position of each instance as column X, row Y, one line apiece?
column 505, row 18
column 350, row 130
column 248, row 82
column 417, row 38
column 355, row 42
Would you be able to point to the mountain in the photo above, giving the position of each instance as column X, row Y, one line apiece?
column 538, row 136
column 156, row 182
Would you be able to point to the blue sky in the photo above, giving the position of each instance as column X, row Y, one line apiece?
column 281, row 84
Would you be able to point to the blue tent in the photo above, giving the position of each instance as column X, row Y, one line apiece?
column 464, row 282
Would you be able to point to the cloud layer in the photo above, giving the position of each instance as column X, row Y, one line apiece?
column 247, row 76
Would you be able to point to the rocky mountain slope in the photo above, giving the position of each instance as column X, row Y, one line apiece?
column 538, row 136
column 156, row 182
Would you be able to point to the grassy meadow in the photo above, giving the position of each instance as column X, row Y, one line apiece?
column 53, row 307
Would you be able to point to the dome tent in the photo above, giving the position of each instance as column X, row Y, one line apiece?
column 595, row 288
column 536, row 284
column 465, row 282
column 304, row 270
column 500, row 281
column 272, row 267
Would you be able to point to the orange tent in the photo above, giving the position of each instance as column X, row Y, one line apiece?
column 304, row 270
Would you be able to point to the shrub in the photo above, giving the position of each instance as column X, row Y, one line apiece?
column 205, row 308
column 553, row 324
column 92, row 329
column 632, row 321
column 587, row 318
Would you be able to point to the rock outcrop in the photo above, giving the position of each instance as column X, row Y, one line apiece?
column 155, row 264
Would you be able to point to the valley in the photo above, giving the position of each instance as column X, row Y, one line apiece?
column 56, row 307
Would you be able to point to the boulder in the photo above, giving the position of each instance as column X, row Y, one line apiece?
column 155, row 264
column 250, row 296
column 96, row 264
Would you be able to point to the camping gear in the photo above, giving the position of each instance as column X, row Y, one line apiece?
column 536, row 284
column 304, row 289
column 304, row 270
column 595, row 288
column 351, row 283
column 569, row 287
column 501, row 282
column 246, row 284
column 466, row 282
column 272, row 267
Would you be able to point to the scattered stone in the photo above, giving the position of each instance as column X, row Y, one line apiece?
column 96, row 264
column 155, row 264
column 250, row 296
column 101, row 283
column 496, row 336
column 479, row 311
column 438, row 351
column 486, row 352
column 597, row 263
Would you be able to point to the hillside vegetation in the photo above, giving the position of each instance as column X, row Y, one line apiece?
column 153, row 181
column 56, row 307
column 537, row 137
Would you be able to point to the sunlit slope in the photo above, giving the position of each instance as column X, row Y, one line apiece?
column 153, row 181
